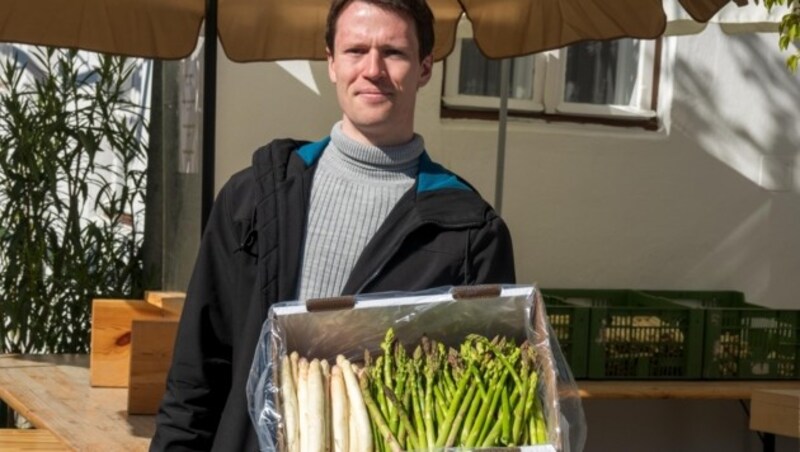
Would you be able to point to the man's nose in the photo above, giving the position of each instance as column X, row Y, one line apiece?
column 374, row 67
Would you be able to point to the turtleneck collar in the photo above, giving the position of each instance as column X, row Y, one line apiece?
column 366, row 157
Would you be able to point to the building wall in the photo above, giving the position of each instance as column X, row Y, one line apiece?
column 710, row 202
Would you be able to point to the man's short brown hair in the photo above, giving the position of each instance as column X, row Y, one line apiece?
column 417, row 10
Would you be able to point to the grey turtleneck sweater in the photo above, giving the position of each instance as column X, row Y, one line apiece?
column 354, row 189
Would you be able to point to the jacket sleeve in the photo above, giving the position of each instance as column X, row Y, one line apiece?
column 199, row 379
column 491, row 259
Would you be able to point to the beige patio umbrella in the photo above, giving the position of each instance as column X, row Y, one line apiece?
column 268, row 30
column 165, row 29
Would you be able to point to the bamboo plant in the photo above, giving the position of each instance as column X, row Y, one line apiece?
column 70, row 222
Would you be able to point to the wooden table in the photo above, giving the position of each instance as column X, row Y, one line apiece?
column 775, row 412
column 686, row 390
column 53, row 393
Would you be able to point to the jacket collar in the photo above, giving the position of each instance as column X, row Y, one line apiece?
column 311, row 152
column 431, row 177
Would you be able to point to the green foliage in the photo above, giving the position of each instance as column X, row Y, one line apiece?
column 789, row 28
column 70, row 225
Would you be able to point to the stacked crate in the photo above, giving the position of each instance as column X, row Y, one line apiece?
column 658, row 334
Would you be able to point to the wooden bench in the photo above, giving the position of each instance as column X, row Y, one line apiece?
column 13, row 439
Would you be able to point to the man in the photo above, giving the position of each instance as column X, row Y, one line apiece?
column 364, row 210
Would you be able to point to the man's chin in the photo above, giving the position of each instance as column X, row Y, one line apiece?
column 373, row 123
column 375, row 130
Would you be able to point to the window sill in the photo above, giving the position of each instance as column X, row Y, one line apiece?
column 650, row 124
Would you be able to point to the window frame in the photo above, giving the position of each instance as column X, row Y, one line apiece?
column 548, row 88
column 452, row 98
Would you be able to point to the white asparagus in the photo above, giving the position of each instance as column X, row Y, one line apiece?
column 302, row 402
column 294, row 359
column 362, row 442
column 339, row 411
column 316, row 408
column 289, row 396
column 352, row 426
column 326, row 381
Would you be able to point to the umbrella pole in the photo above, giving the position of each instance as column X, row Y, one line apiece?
column 209, row 112
column 505, row 69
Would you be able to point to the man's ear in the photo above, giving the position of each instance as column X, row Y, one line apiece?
column 426, row 67
column 331, row 72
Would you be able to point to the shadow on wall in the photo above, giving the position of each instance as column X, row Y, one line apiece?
column 740, row 107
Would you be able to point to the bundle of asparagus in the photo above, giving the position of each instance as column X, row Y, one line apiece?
column 322, row 406
column 482, row 395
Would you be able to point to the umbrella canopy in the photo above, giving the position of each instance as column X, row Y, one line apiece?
column 166, row 29
column 269, row 30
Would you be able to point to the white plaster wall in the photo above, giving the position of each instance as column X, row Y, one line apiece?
column 712, row 202
column 259, row 102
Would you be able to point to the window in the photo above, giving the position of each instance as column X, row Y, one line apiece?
column 609, row 79
column 475, row 82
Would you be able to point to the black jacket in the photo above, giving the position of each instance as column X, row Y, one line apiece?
column 440, row 233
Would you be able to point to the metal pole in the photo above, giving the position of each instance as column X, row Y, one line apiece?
column 505, row 70
column 209, row 112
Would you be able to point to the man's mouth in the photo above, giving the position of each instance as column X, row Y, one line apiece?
column 374, row 94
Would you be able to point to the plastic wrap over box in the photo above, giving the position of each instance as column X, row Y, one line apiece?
column 325, row 328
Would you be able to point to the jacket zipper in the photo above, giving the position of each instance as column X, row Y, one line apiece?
column 396, row 248
column 380, row 267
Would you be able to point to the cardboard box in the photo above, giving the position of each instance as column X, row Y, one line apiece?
column 346, row 325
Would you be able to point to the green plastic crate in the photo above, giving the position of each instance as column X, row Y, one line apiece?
column 741, row 340
column 637, row 336
column 570, row 324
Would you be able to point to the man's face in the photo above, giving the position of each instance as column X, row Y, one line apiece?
column 376, row 67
